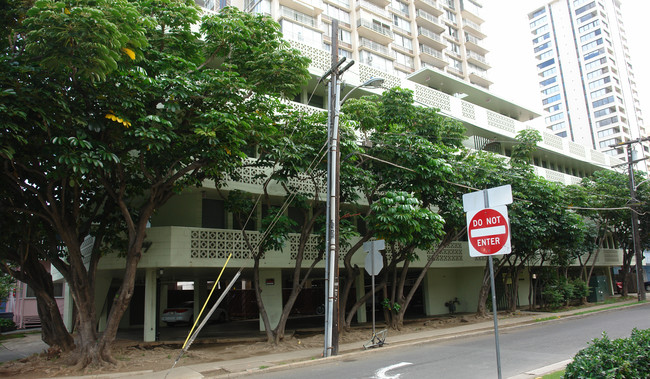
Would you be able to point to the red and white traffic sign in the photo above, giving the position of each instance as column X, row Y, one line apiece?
column 488, row 231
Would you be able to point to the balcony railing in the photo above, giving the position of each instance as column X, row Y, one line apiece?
column 428, row 33
column 290, row 14
column 431, row 51
column 372, row 45
column 478, row 57
column 377, row 28
column 373, row 8
column 428, row 16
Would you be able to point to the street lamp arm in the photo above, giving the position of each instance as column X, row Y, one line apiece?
column 372, row 83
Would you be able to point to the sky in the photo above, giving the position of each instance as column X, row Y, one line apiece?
column 513, row 69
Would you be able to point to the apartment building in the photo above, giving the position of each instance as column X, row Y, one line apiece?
column 397, row 37
column 585, row 73
column 193, row 234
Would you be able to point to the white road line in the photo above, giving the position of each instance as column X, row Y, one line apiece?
column 381, row 373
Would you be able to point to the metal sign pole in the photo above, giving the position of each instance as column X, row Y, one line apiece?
column 372, row 264
column 486, row 200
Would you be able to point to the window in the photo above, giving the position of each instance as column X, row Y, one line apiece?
column 548, row 72
column 607, row 121
column 543, row 46
column 538, row 22
column 344, row 35
column 546, row 64
column 561, row 134
column 608, row 132
column 337, row 13
column 546, row 82
column 213, row 214
column 401, row 23
column 537, row 13
column 404, row 8
column 58, row 291
column 558, row 126
column 454, row 47
column 404, row 42
column 587, row 17
column 601, row 92
column 545, row 55
column 453, row 32
column 553, row 108
column 594, row 54
column 597, row 73
column 599, row 82
column 585, row 8
column 455, row 63
column 604, row 112
column 591, row 35
column 300, row 33
column 551, row 90
column 595, row 64
column 588, row 26
column 608, row 142
column 451, row 16
column 541, row 38
column 554, row 118
column 342, row 52
column 540, row 30
column 592, row 44
column 376, row 61
column 551, row 99
column 404, row 60
column 601, row 102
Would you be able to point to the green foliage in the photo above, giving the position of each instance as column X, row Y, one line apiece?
column 561, row 291
column 619, row 358
column 7, row 283
column 7, row 324
column 390, row 306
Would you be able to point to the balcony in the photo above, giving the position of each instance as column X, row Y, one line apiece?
column 471, row 12
column 473, row 44
column 479, row 78
column 477, row 59
column 473, row 28
column 380, row 3
column 308, row 7
column 292, row 15
column 430, row 6
column 372, row 46
column 373, row 8
column 374, row 31
column 432, row 56
column 430, row 38
column 429, row 21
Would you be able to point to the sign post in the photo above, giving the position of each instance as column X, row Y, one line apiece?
column 488, row 232
column 374, row 264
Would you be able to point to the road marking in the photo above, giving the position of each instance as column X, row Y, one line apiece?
column 381, row 373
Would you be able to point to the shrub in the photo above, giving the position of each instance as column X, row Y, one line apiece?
column 553, row 296
column 7, row 324
column 619, row 358
column 581, row 289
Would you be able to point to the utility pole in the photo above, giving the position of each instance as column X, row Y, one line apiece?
column 333, row 199
column 636, row 240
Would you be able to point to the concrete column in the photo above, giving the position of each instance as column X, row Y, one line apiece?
column 200, row 295
column 68, row 307
column 164, row 289
column 102, row 285
column 360, row 289
column 150, row 305
column 271, row 285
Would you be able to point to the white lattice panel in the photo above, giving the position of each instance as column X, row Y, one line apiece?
column 366, row 73
column 598, row 157
column 576, row 149
column 468, row 110
column 432, row 98
column 319, row 58
column 304, row 107
column 311, row 248
column 452, row 253
column 554, row 176
column 552, row 140
column 251, row 175
column 501, row 121
column 218, row 244
column 575, row 180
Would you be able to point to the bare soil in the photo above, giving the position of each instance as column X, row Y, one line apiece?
column 157, row 356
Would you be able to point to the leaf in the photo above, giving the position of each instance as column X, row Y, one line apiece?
column 129, row 52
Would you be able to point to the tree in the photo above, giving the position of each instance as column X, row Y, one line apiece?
column 116, row 106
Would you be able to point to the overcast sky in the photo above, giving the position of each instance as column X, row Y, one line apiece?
column 513, row 67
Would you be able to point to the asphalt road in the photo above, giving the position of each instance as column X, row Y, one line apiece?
column 522, row 349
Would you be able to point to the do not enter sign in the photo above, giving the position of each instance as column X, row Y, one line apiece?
column 488, row 232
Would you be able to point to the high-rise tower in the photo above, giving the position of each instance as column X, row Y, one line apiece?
column 585, row 74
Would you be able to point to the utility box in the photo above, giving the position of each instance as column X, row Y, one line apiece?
column 597, row 289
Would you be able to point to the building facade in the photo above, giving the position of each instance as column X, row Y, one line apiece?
column 586, row 78
column 192, row 236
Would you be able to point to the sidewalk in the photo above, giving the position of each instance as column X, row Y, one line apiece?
column 239, row 367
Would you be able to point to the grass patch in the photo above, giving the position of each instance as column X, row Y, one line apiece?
column 263, row 367
column 5, row 337
column 547, row 318
column 612, row 307
column 554, row 375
